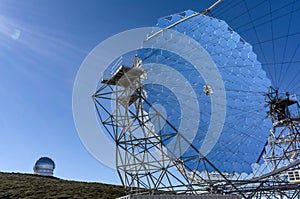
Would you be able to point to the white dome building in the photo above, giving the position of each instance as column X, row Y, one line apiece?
column 44, row 166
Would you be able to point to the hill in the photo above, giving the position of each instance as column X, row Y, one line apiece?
column 16, row 185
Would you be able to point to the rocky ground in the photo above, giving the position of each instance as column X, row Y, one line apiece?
column 16, row 185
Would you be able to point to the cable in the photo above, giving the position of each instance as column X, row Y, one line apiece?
column 287, row 35
column 272, row 33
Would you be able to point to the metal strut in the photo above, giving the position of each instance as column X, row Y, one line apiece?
column 185, row 19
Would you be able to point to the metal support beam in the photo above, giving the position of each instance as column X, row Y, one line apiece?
column 185, row 19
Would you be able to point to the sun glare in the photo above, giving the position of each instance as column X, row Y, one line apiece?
column 8, row 29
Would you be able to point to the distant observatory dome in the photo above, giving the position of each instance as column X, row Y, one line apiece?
column 44, row 166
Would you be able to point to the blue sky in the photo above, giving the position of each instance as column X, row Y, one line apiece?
column 42, row 45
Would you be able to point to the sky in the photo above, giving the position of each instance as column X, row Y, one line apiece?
column 42, row 45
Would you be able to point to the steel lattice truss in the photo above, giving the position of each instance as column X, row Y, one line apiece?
column 145, row 165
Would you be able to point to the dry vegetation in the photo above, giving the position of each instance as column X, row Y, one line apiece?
column 16, row 185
